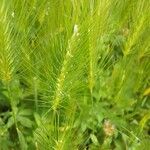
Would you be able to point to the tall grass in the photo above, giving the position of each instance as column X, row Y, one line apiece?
column 74, row 74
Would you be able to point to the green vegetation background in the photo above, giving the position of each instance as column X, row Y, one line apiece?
column 74, row 74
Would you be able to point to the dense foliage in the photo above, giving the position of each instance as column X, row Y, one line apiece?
column 74, row 74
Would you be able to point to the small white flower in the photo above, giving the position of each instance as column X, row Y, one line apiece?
column 76, row 30
column 13, row 14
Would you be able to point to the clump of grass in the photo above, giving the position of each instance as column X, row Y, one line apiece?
column 74, row 74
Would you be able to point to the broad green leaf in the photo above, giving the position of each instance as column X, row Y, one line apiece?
column 25, row 122
column 22, row 141
column 25, row 112
column 10, row 122
column 94, row 139
column 37, row 118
